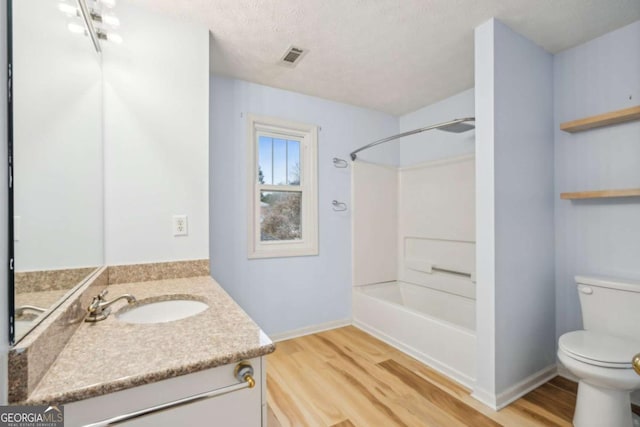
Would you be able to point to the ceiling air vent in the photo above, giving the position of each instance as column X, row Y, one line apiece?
column 292, row 56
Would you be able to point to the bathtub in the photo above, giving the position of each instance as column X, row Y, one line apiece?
column 435, row 327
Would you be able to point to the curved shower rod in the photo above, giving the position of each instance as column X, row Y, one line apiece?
column 455, row 125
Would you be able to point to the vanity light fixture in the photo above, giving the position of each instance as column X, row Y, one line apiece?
column 108, row 19
column 86, row 17
column 89, row 17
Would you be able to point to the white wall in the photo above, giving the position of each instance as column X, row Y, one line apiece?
column 284, row 294
column 485, row 388
column 515, row 136
column 436, row 224
column 58, row 128
column 596, row 236
column 156, row 112
column 437, row 144
column 374, row 210
column 4, row 315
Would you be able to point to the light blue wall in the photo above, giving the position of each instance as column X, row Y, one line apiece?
column 525, row 288
column 4, row 332
column 600, row 236
column 514, row 156
column 284, row 294
column 436, row 144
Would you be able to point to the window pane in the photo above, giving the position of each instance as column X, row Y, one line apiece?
column 279, row 161
column 265, row 149
column 280, row 215
column 293, row 162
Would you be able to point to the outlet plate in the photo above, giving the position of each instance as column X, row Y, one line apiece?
column 180, row 225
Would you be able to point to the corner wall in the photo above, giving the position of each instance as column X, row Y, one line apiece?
column 437, row 144
column 287, row 294
column 156, row 138
column 514, row 152
column 599, row 236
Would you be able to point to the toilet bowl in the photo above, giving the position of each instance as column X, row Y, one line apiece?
column 601, row 355
column 603, row 365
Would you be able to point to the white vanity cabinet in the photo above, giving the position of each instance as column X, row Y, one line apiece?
column 241, row 408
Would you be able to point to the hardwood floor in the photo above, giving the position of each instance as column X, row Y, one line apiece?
column 347, row 378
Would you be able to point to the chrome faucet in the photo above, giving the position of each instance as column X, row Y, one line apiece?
column 99, row 307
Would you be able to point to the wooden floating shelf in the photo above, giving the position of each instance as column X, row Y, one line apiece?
column 631, row 192
column 606, row 119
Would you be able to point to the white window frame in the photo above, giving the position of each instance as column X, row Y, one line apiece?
column 308, row 136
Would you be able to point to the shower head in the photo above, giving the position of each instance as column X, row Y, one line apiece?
column 458, row 127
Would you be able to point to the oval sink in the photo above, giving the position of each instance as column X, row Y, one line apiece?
column 162, row 311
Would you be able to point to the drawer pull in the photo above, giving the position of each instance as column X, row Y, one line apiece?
column 243, row 372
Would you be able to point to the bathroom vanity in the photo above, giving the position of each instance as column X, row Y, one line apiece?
column 206, row 368
column 98, row 174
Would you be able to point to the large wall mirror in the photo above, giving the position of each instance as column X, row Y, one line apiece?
column 57, row 157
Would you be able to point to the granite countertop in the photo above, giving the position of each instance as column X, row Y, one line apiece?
column 112, row 355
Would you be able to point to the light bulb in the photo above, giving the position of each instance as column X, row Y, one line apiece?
column 75, row 28
column 111, row 20
column 68, row 9
column 114, row 38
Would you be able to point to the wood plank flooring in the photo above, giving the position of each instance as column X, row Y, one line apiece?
column 347, row 378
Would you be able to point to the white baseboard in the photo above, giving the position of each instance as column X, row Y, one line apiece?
column 485, row 397
column 308, row 330
column 446, row 370
column 499, row 401
column 525, row 386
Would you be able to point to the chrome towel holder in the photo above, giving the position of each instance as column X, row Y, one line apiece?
column 339, row 206
column 340, row 163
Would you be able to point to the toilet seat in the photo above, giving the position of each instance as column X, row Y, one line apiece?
column 599, row 349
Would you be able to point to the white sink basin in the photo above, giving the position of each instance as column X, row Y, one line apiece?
column 162, row 311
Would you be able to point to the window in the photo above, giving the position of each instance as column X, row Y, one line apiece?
column 283, row 188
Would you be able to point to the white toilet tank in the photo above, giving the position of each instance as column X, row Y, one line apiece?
column 610, row 306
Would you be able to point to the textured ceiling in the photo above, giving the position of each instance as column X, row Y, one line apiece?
column 390, row 55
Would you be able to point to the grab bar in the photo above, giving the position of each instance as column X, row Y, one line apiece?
column 444, row 270
column 427, row 267
column 243, row 372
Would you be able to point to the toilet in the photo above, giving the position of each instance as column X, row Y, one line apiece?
column 601, row 354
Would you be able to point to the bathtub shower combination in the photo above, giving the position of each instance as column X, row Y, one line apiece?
column 414, row 260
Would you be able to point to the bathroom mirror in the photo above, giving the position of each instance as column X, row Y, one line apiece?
column 56, row 148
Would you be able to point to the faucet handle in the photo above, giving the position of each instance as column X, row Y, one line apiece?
column 636, row 363
column 97, row 300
